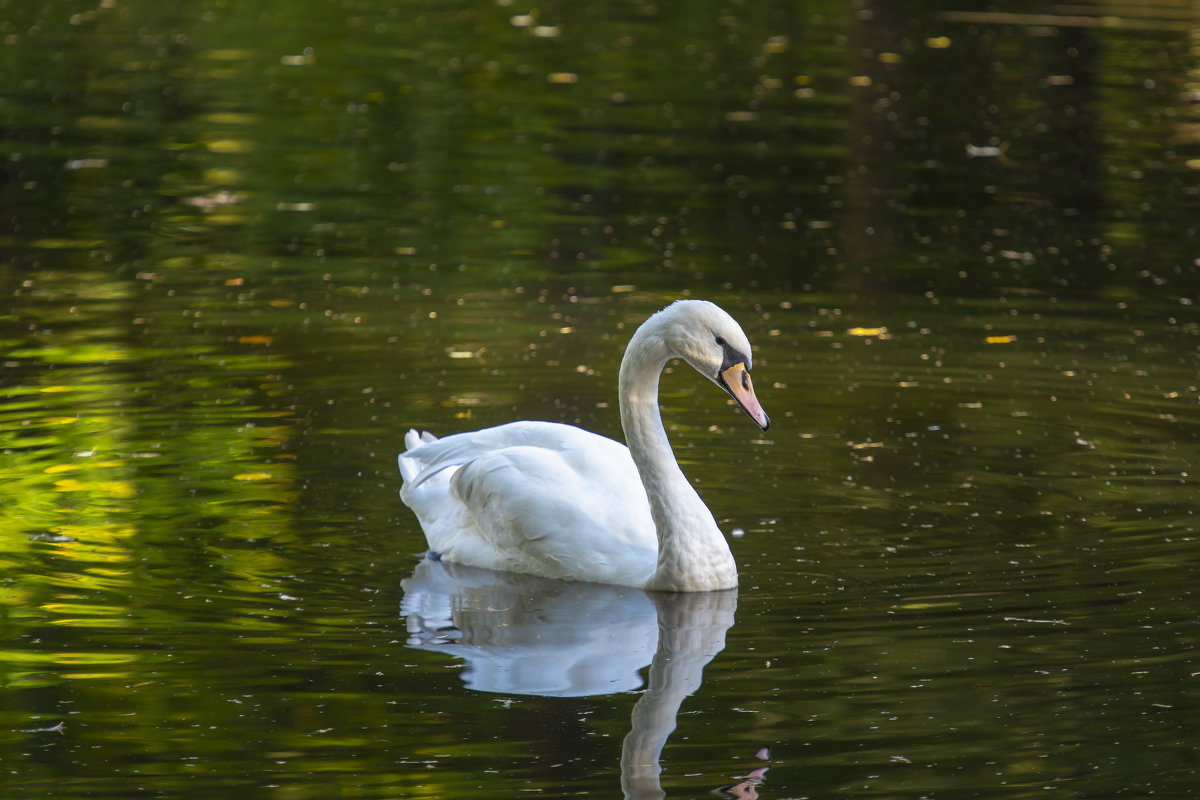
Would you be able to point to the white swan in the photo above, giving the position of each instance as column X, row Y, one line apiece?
column 557, row 501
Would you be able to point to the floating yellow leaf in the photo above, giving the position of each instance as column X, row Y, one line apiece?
column 867, row 331
column 1001, row 339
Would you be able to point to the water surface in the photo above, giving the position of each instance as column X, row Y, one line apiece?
column 246, row 247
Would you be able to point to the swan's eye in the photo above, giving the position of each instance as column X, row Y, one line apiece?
column 720, row 341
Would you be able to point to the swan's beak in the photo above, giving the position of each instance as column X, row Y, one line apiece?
column 736, row 381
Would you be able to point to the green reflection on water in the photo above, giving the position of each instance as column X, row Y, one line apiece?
column 962, row 243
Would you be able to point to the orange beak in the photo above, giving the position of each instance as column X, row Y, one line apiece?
column 736, row 381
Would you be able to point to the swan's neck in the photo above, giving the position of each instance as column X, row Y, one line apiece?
column 692, row 553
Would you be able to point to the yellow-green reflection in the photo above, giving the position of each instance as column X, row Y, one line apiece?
column 246, row 247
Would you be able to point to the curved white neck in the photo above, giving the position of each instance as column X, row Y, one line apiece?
column 692, row 553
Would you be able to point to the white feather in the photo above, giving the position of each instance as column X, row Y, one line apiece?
column 557, row 501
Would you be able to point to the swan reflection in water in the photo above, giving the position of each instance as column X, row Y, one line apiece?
column 520, row 634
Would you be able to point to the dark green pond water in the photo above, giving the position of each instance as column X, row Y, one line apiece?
column 246, row 245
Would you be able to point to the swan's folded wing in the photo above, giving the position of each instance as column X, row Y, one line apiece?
column 536, row 497
column 577, row 515
column 426, row 455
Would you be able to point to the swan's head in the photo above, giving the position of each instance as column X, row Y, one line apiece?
column 706, row 337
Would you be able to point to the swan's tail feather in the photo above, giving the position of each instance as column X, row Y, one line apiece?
column 411, row 463
column 416, row 438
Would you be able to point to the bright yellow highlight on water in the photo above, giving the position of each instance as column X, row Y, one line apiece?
column 253, row 476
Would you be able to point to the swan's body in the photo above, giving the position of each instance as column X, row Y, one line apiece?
column 557, row 501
